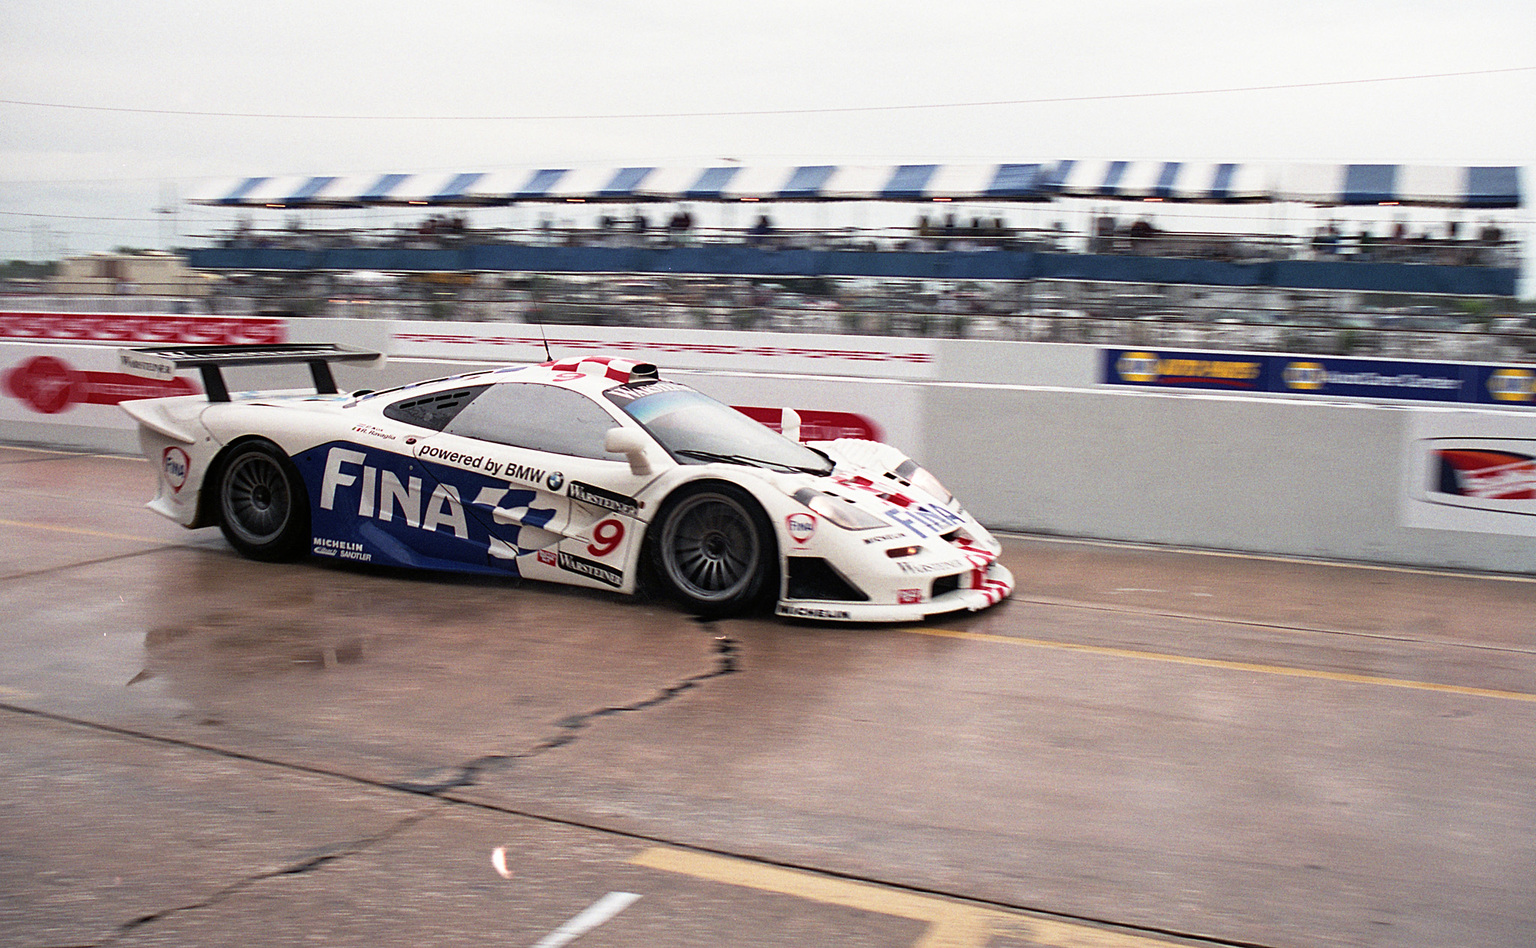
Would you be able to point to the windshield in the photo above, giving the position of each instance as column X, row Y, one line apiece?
column 696, row 429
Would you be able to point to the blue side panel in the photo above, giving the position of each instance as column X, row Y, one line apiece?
column 908, row 182
column 1369, row 184
column 376, row 506
column 738, row 260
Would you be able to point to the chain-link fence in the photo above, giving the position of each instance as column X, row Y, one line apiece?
column 1100, row 313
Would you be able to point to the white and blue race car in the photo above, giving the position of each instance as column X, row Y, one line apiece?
column 593, row 472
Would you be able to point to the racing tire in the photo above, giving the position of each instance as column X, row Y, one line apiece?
column 262, row 504
column 713, row 549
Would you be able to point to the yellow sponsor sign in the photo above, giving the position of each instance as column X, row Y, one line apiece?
column 1511, row 385
column 1146, row 367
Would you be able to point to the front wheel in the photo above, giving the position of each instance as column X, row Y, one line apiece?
column 714, row 549
column 263, row 507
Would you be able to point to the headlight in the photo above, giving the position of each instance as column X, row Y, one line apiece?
column 919, row 477
column 837, row 510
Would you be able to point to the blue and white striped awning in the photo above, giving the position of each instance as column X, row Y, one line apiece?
column 724, row 182
column 1432, row 185
column 1215, row 182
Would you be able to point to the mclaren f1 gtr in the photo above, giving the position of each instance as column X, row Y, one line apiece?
column 595, row 472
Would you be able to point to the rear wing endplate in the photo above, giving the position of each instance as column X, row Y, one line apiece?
column 162, row 362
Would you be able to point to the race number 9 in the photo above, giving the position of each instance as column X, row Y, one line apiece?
column 606, row 537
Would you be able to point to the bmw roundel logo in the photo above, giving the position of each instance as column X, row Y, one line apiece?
column 555, row 480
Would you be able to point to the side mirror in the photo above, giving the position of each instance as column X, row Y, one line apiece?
column 789, row 424
column 631, row 444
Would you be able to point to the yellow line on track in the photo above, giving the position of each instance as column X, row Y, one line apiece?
column 951, row 924
column 53, row 528
column 1224, row 664
column 82, row 453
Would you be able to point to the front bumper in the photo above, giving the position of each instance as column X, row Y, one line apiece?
column 988, row 587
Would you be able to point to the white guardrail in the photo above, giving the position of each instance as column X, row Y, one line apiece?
column 1030, row 435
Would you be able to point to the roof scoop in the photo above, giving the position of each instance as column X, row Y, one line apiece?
column 620, row 370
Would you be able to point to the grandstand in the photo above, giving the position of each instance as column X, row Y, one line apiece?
column 1358, row 259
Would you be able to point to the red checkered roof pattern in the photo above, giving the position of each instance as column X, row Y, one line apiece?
column 619, row 370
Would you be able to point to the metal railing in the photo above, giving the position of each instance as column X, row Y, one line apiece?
column 1118, row 314
column 451, row 233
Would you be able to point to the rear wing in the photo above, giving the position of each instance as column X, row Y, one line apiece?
column 162, row 362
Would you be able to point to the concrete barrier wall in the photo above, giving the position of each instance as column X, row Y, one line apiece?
column 1020, row 431
column 1316, row 479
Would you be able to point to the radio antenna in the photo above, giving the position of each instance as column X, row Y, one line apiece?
column 544, row 338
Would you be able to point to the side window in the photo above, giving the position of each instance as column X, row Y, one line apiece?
column 434, row 410
column 541, row 417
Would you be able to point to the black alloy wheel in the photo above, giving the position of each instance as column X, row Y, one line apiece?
column 715, row 549
column 263, row 507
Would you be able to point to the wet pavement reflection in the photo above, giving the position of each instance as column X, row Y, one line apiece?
column 1241, row 749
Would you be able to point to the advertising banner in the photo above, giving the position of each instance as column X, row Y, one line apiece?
column 1327, row 376
column 1219, row 371
column 1374, row 378
column 136, row 327
column 67, row 395
column 49, row 385
column 1470, row 471
column 719, row 350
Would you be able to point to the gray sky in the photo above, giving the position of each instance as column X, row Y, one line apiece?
column 473, row 85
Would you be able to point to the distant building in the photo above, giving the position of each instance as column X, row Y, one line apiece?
column 150, row 273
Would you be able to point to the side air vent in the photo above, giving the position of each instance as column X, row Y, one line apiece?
column 435, row 410
column 811, row 577
column 945, row 584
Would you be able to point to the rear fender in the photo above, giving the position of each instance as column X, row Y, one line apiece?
column 178, row 447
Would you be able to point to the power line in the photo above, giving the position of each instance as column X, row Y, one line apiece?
column 747, row 113
column 78, row 217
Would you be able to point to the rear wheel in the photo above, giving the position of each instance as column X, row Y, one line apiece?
column 714, row 549
column 263, row 507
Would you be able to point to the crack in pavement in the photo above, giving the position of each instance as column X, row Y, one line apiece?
column 335, row 853
column 724, row 647
column 465, row 775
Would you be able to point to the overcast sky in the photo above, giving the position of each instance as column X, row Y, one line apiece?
column 95, row 130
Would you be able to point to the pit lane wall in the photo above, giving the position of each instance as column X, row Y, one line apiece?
column 1078, row 441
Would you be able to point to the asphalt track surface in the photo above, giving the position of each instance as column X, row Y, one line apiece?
column 1141, row 748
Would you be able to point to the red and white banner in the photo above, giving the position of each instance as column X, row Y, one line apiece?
column 140, row 328
column 48, row 385
column 716, row 350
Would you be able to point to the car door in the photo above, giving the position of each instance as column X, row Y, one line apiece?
column 526, row 463
column 379, row 502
